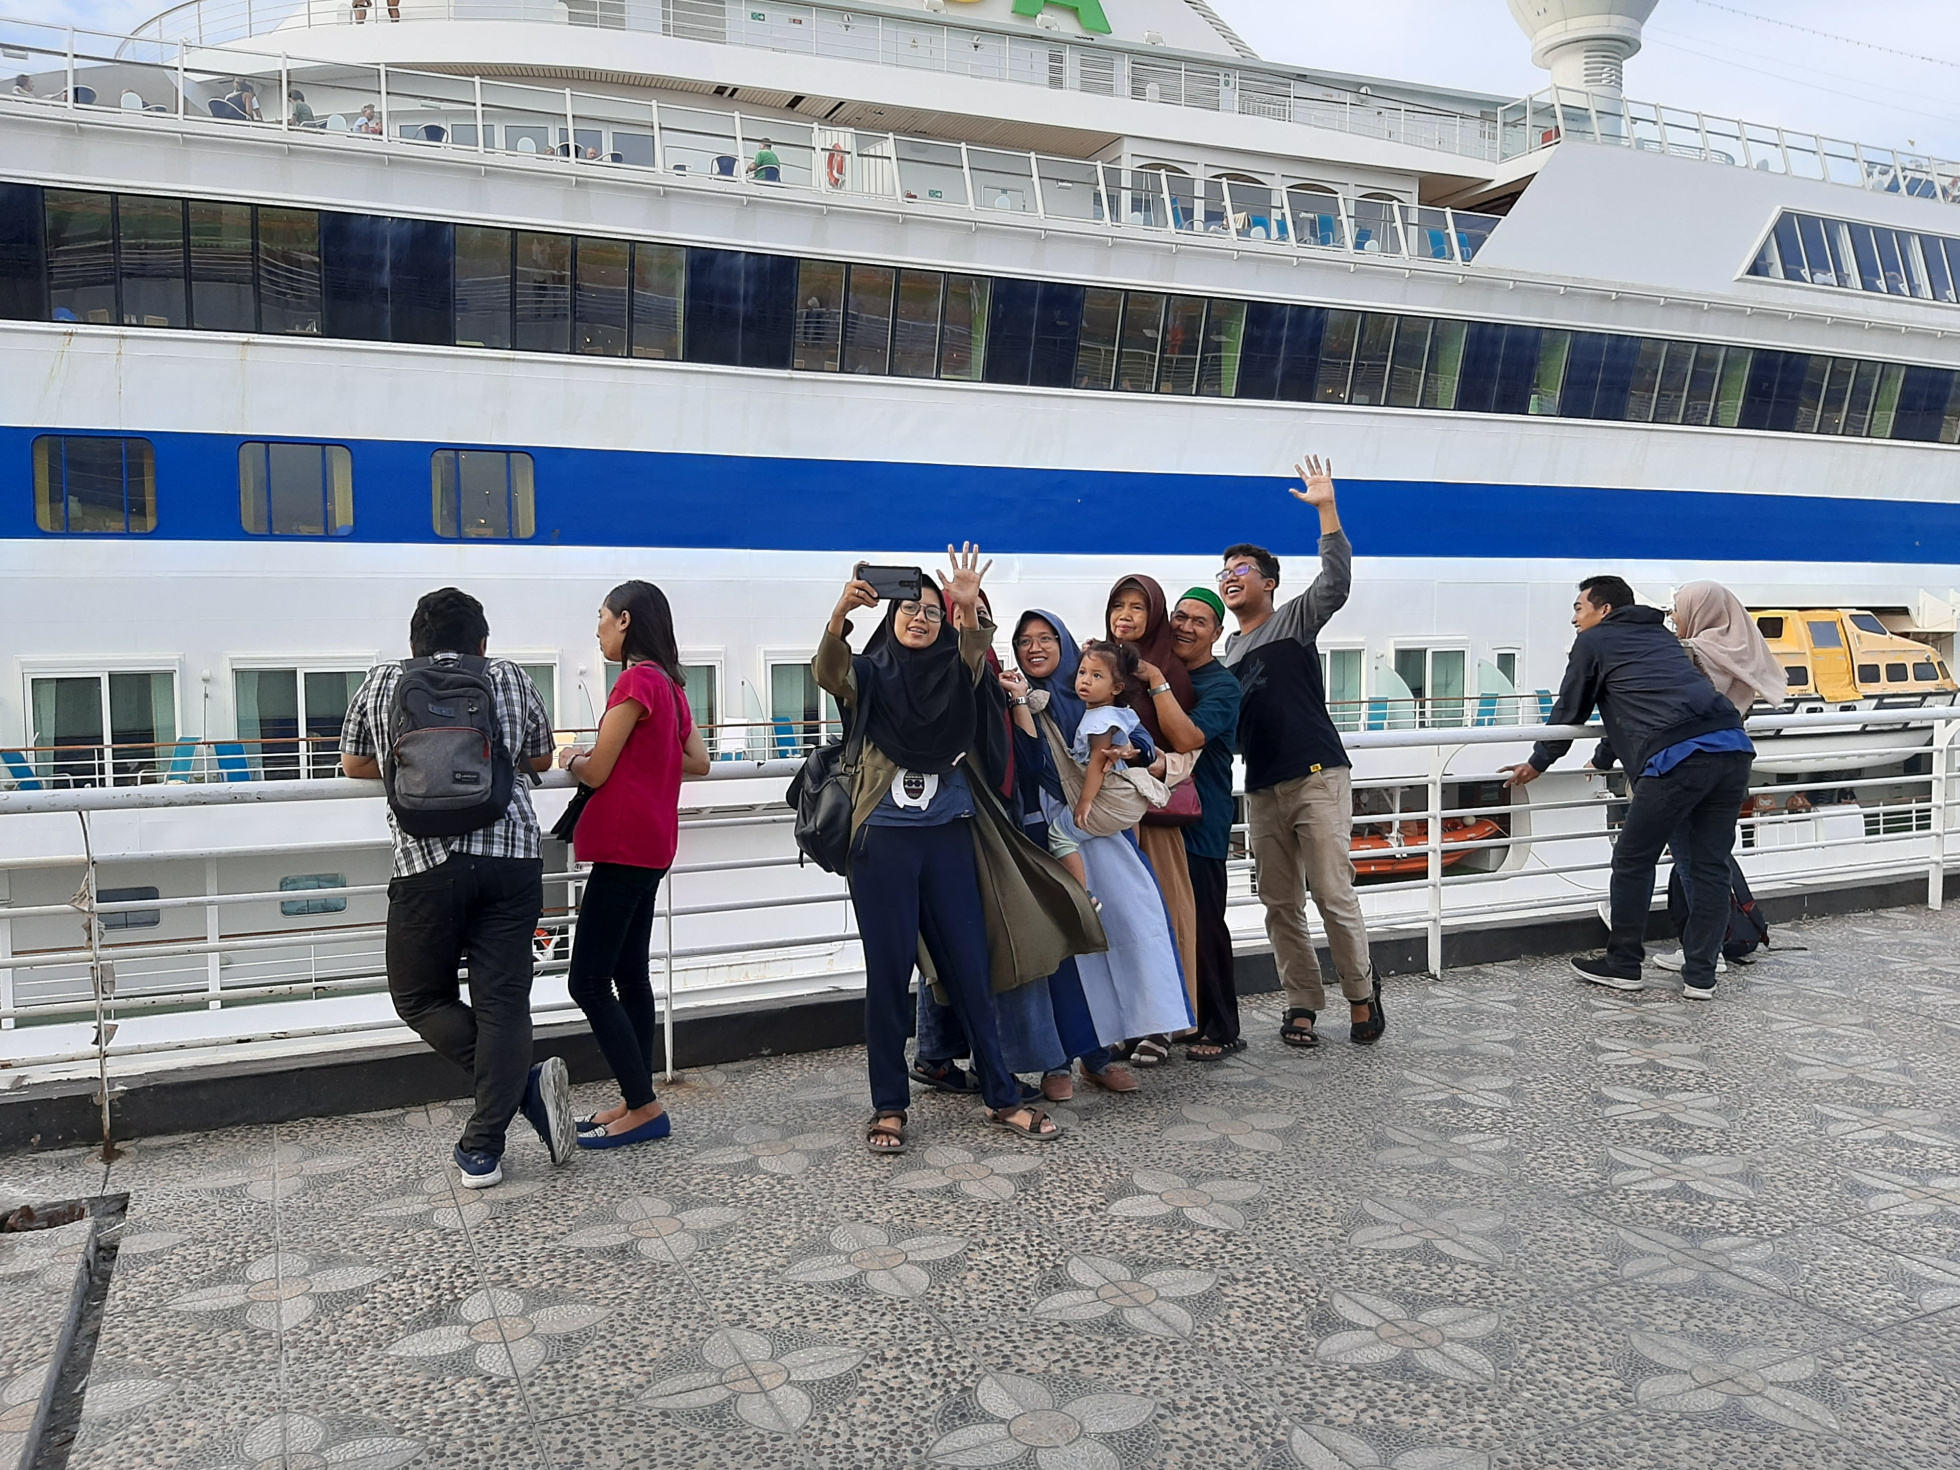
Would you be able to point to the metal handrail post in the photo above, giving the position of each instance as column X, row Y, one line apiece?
column 381, row 71
column 101, row 982
column 71, row 68
column 1942, row 767
column 1034, row 176
column 667, row 985
column 285, row 93
column 1439, row 760
column 741, row 149
column 571, row 130
column 898, row 179
column 1164, row 188
column 659, row 149
column 476, row 88
column 966, row 172
column 180, row 81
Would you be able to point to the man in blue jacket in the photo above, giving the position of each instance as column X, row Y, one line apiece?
column 1688, row 760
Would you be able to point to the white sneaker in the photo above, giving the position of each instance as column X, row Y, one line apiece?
column 1697, row 992
column 1675, row 960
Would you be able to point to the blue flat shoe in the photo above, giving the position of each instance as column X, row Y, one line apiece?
column 653, row 1128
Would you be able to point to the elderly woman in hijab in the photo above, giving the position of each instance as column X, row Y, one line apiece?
column 1138, row 614
column 934, row 856
column 1724, row 642
column 1133, row 988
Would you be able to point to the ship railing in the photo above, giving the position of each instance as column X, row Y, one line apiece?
column 153, row 959
column 981, row 51
column 1545, row 119
column 517, row 124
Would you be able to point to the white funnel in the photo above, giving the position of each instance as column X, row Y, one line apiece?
column 1583, row 43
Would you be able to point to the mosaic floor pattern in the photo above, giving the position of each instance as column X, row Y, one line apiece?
column 1538, row 1226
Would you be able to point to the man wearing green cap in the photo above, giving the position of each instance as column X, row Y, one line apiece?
column 1196, row 622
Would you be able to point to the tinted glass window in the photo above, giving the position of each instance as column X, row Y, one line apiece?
column 1095, row 349
column 150, row 233
column 22, row 279
column 1405, row 367
column 1372, row 346
column 81, row 257
column 1894, row 673
column 289, row 271
column 1184, row 339
column 819, row 317
column 1010, row 331
column 1774, row 391
column 659, row 276
column 1058, row 322
column 1796, row 675
column 298, row 908
column 1923, row 396
column 1704, row 373
column 1442, row 377
column 1868, row 673
column 482, row 495
column 94, row 486
column 543, row 294
column 295, row 489
column 868, row 320
column 605, row 270
column 221, row 268
column 1141, row 343
column 963, row 329
column 421, row 282
column 1825, row 635
column 1218, row 370
column 1867, row 623
column 1924, row 673
column 483, row 273
column 741, row 308
column 1264, row 345
column 130, row 918
column 1771, row 627
column 915, row 332
column 1337, row 356
column 354, row 276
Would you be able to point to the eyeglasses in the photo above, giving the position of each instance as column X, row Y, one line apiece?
column 1237, row 572
column 1031, row 641
column 930, row 611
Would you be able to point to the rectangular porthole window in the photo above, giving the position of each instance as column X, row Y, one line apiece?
column 222, row 298
column 81, row 253
column 290, row 289
column 301, row 908
column 150, row 236
column 483, row 272
column 295, row 489
column 94, row 487
column 482, row 495
column 129, row 918
column 604, row 268
column 819, row 317
column 659, row 276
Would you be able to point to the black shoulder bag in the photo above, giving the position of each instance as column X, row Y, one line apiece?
column 823, row 795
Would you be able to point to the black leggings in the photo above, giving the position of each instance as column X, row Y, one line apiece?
column 609, row 972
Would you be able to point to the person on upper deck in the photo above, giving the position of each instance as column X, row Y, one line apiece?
column 766, row 167
column 302, row 114
column 1687, row 758
column 1298, row 793
column 23, row 85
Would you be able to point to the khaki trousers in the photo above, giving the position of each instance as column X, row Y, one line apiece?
column 1300, row 831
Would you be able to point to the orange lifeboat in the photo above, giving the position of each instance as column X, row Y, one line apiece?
column 1402, row 853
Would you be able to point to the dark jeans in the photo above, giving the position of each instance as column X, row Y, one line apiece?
column 1703, row 797
column 486, row 908
column 907, row 882
column 609, row 977
column 1218, row 994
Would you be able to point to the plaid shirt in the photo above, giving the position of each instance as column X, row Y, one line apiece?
column 527, row 735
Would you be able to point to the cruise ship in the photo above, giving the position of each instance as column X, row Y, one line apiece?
column 310, row 306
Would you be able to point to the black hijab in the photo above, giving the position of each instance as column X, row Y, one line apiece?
column 918, row 704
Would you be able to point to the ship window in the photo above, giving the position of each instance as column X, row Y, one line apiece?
column 741, row 308
column 1435, row 677
column 289, row 720
column 543, row 295
column 1336, row 356
column 1143, row 335
column 1095, row 350
column 868, row 320
column 703, row 701
column 604, row 271
column 1796, row 676
column 915, row 331
column 1218, row 370
column 963, row 329
column 1868, row 673
column 1376, row 339
column 483, row 270
column 819, row 317
column 1184, row 335
column 295, row 489
column 1442, row 378
column 1825, row 635
column 93, row 486
column 1500, row 368
column 1340, row 674
column 221, row 268
column 1894, row 674
column 544, row 679
column 659, row 274
column 23, row 272
column 1867, row 623
column 300, row 908
column 483, row 495
column 1924, row 674
column 1405, row 368
column 81, row 246
column 69, row 737
column 289, row 271
column 1771, row 627
column 1057, row 324
column 130, row 918
column 150, row 234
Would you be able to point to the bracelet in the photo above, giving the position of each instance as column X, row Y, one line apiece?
column 1018, row 700
column 1163, row 688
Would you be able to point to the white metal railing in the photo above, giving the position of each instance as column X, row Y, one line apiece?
column 1547, row 118
column 354, row 108
column 987, row 52
column 1440, row 846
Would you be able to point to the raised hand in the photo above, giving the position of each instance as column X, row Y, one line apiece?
column 1014, row 682
column 1149, row 673
column 1319, row 480
column 963, row 580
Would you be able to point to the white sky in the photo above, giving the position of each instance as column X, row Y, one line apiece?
column 1699, row 54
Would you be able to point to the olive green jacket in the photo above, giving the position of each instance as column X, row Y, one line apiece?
column 1037, row 914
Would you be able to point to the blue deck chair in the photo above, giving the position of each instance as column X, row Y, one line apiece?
column 232, row 764
column 1487, row 709
column 182, row 758
column 1546, row 699
column 786, row 741
column 1377, row 714
column 18, row 768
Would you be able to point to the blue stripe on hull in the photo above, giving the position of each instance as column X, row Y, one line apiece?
column 592, row 497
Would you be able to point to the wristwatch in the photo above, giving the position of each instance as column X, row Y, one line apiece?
column 1163, row 688
column 1018, row 699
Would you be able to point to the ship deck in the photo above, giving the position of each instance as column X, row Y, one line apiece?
column 1537, row 1226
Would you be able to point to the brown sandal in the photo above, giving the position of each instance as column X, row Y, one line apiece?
column 882, row 1126
column 1032, row 1129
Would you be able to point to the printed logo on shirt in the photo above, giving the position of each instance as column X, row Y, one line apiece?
column 914, row 790
column 1314, row 770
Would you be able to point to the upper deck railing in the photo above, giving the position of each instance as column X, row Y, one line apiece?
column 346, row 106
column 973, row 50
column 1547, row 118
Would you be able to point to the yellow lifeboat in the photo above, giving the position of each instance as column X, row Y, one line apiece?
column 1846, row 656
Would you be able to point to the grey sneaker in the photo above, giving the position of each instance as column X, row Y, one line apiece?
column 1674, row 960
column 547, row 1107
column 1697, row 992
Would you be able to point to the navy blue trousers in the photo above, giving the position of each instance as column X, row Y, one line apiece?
column 908, row 882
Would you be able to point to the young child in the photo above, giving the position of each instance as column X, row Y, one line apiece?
column 1109, row 732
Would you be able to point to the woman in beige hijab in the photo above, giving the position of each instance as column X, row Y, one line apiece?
column 1724, row 642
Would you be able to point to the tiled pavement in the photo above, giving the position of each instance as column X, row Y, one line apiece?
column 1539, row 1225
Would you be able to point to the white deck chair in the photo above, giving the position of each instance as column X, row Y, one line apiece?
column 132, row 102
column 336, row 123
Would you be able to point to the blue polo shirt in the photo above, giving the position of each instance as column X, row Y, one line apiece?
column 1216, row 713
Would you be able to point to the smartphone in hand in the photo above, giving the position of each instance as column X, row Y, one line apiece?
column 897, row 584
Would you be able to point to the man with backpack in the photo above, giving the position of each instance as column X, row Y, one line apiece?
column 453, row 737
column 1687, row 759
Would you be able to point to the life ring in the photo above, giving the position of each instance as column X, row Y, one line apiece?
column 833, row 165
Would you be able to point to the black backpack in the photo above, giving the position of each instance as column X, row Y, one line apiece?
column 1747, row 930
column 446, row 771
column 822, row 796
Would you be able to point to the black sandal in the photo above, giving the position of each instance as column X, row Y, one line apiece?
column 943, row 1077
column 1366, row 1033
column 1213, row 1051
column 1296, row 1035
column 879, row 1128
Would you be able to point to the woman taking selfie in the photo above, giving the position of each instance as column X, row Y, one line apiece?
column 627, row 830
column 924, row 823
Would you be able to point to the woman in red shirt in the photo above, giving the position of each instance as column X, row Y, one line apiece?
column 628, row 831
